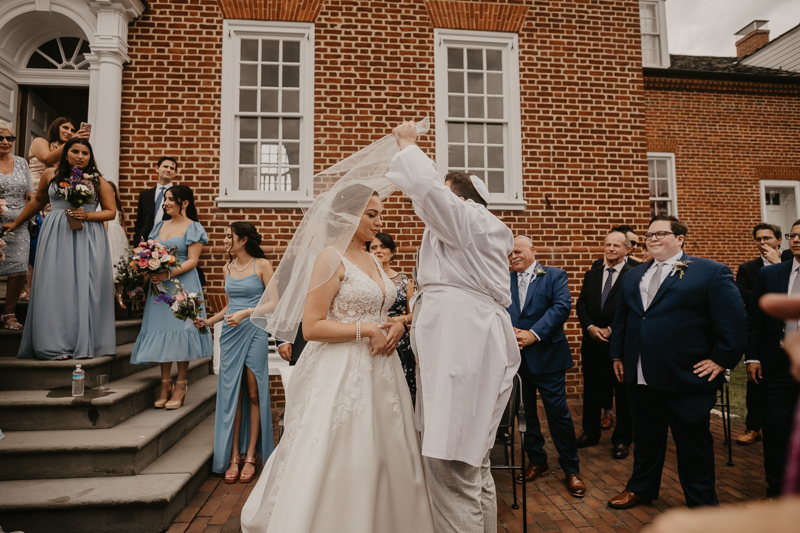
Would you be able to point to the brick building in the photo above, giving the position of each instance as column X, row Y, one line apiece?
column 572, row 111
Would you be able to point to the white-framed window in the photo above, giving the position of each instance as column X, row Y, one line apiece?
column 661, row 178
column 477, row 110
column 780, row 202
column 653, row 21
column 267, row 129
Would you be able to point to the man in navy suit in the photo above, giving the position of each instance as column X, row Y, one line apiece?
column 768, row 362
column 540, row 305
column 679, row 324
column 768, row 242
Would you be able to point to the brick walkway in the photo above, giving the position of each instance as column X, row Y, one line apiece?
column 216, row 506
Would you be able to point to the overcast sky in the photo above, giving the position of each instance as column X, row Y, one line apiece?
column 707, row 27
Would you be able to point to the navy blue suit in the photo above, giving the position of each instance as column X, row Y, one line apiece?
column 544, row 363
column 699, row 316
column 779, row 391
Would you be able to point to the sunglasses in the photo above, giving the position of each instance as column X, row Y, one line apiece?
column 9, row 138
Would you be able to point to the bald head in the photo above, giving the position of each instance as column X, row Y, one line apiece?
column 523, row 255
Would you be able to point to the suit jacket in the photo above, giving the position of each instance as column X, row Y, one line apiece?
column 746, row 278
column 145, row 215
column 547, row 306
column 588, row 308
column 697, row 317
column 765, row 332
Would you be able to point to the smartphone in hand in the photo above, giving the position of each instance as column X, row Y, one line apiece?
column 85, row 126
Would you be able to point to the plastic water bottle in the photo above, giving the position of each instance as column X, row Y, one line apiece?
column 78, row 379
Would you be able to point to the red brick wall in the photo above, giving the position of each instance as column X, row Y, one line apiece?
column 582, row 105
column 726, row 136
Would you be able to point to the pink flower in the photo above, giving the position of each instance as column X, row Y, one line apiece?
column 154, row 263
column 180, row 297
column 142, row 263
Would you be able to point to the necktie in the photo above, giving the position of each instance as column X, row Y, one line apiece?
column 523, row 288
column 791, row 325
column 607, row 287
column 655, row 281
column 159, row 198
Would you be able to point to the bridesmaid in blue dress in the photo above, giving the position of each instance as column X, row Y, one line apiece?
column 242, row 427
column 163, row 338
column 71, row 308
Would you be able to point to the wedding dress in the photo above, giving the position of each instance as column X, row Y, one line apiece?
column 349, row 460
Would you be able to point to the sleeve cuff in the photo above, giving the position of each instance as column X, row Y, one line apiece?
column 282, row 343
column 538, row 338
column 748, row 361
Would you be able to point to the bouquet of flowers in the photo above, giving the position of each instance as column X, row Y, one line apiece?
column 129, row 277
column 152, row 257
column 78, row 189
column 185, row 305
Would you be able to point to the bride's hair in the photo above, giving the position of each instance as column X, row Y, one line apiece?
column 346, row 204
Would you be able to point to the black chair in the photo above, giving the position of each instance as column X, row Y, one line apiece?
column 507, row 428
column 724, row 405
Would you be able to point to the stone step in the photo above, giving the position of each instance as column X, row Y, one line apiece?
column 124, row 450
column 144, row 503
column 57, row 409
column 127, row 331
column 32, row 374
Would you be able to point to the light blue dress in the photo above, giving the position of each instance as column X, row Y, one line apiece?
column 244, row 345
column 163, row 338
column 71, row 308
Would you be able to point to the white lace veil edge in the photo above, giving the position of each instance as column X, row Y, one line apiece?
column 342, row 193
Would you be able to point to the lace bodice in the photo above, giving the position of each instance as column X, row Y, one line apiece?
column 360, row 299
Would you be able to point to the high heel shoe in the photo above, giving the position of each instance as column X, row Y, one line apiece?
column 245, row 477
column 159, row 404
column 234, row 461
column 174, row 404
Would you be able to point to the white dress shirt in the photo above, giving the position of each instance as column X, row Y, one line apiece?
column 159, row 213
column 792, row 279
column 644, row 284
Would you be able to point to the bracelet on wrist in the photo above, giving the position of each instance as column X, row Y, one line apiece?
column 358, row 331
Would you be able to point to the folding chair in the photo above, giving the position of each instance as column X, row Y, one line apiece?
column 507, row 424
column 724, row 405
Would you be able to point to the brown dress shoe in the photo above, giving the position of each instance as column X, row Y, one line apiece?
column 607, row 420
column 626, row 500
column 534, row 472
column 575, row 485
column 620, row 451
column 749, row 437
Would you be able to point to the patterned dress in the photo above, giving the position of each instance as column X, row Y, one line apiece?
column 404, row 346
column 13, row 189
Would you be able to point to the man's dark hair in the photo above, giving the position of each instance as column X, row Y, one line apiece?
column 624, row 228
column 776, row 230
column 676, row 226
column 167, row 158
column 461, row 185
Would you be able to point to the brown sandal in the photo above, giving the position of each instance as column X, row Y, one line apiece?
column 245, row 477
column 232, row 478
column 12, row 322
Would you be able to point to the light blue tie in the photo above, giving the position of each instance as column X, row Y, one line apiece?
column 159, row 198
column 523, row 288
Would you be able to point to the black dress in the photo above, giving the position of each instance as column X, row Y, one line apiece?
column 404, row 346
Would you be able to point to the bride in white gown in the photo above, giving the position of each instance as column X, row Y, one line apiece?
column 349, row 460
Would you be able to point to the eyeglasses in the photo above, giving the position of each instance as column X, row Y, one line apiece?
column 791, row 236
column 657, row 235
column 9, row 138
column 635, row 243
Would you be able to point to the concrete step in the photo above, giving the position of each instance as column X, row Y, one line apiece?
column 57, row 409
column 32, row 374
column 145, row 503
column 127, row 330
column 124, row 450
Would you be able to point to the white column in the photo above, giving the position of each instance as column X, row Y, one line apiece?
column 94, row 86
column 107, row 113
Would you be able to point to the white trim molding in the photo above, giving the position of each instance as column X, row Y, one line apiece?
column 481, row 132
column 663, row 172
column 653, row 27
column 276, row 159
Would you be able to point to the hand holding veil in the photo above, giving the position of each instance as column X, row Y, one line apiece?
column 343, row 192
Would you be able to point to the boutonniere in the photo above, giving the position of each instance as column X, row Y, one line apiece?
column 539, row 271
column 679, row 267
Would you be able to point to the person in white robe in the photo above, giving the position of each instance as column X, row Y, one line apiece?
column 461, row 334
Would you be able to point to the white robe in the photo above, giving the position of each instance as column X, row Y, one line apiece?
column 467, row 351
